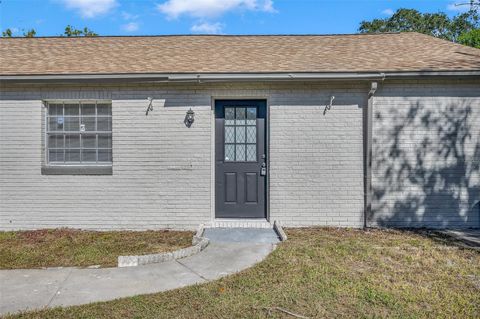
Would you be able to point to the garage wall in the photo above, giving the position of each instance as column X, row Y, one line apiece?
column 426, row 155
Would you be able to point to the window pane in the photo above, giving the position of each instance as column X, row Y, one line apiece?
column 104, row 155
column 55, row 155
column 55, row 141
column 229, row 134
column 88, row 124
column 72, row 124
column 88, row 109
column 240, row 116
column 55, row 109
column 104, row 109
column 55, row 123
column 229, row 152
column 251, row 134
column 72, row 109
column 251, row 152
column 72, row 141
column 71, row 132
column 104, row 124
column 229, row 115
column 105, row 141
column 72, row 155
column 240, row 152
column 251, row 115
column 89, row 155
column 89, row 141
column 240, row 134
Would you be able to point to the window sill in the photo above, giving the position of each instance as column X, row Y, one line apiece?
column 76, row 170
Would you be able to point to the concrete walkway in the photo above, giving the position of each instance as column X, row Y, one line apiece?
column 41, row 288
column 469, row 237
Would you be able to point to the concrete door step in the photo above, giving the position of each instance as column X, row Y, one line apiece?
column 239, row 223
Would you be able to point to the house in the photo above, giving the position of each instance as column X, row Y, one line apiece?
column 174, row 131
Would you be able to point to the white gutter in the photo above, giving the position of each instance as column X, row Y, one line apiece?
column 221, row 77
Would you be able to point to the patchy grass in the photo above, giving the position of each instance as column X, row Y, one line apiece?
column 321, row 273
column 68, row 247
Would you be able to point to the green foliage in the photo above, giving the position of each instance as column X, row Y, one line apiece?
column 470, row 38
column 7, row 33
column 29, row 33
column 73, row 32
column 435, row 24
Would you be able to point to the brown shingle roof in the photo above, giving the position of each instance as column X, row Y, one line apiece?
column 219, row 54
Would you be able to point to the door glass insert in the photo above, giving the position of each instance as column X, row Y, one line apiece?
column 240, row 136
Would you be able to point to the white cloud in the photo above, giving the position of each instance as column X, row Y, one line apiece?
column 131, row 27
column 90, row 8
column 211, row 8
column 129, row 16
column 268, row 6
column 208, row 28
column 388, row 12
column 453, row 7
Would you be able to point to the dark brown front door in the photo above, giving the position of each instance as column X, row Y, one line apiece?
column 240, row 159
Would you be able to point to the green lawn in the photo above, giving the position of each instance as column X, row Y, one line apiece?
column 322, row 273
column 68, row 247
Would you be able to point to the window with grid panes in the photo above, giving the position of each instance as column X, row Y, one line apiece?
column 79, row 133
column 240, row 134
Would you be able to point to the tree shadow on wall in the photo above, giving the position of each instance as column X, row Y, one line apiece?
column 426, row 161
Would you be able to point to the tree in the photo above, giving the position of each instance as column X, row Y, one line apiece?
column 29, row 33
column 436, row 24
column 73, row 32
column 7, row 33
column 470, row 38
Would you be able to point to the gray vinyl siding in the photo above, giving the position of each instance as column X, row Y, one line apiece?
column 426, row 155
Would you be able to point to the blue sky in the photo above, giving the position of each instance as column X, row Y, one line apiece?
column 145, row 17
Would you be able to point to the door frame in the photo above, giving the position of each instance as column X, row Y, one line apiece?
column 212, row 150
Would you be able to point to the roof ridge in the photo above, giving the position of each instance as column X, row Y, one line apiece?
column 214, row 35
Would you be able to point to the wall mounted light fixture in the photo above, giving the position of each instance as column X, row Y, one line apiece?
column 150, row 105
column 189, row 118
column 329, row 106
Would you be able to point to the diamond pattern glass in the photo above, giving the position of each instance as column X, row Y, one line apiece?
column 229, row 116
column 240, row 116
column 229, row 134
column 240, row 152
column 251, row 152
column 251, row 134
column 229, row 152
column 251, row 116
column 240, row 134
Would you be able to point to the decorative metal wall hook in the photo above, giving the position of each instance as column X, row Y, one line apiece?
column 329, row 106
column 150, row 105
column 189, row 118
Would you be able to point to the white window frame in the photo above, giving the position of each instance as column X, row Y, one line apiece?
column 47, row 133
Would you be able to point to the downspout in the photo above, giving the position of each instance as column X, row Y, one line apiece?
column 368, row 155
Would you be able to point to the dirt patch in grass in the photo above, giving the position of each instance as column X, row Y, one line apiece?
column 322, row 273
column 68, row 247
